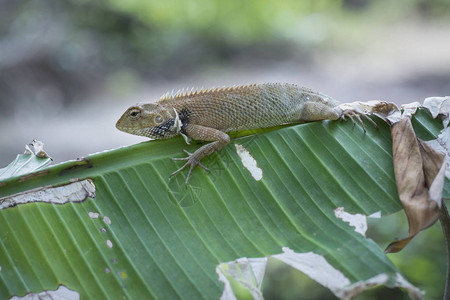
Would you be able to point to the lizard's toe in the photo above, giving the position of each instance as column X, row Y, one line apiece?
column 354, row 113
column 184, row 158
column 201, row 165
column 192, row 161
column 180, row 169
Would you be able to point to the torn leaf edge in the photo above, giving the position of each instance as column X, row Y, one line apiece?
column 313, row 265
column 76, row 191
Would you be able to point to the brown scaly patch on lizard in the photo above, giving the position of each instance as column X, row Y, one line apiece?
column 207, row 115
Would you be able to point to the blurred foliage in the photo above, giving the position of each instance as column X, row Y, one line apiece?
column 284, row 282
column 54, row 52
column 423, row 261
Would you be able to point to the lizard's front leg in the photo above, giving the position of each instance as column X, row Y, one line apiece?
column 197, row 132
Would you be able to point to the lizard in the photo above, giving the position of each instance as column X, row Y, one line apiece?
column 208, row 114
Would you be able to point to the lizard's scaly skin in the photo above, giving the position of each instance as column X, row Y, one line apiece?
column 207, row 114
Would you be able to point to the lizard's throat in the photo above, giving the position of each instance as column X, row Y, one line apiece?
column 163, row 131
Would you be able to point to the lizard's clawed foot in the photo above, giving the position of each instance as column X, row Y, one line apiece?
column 192, row 161
column 353, row 113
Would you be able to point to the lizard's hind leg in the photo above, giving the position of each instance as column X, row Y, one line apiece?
column 316, row 111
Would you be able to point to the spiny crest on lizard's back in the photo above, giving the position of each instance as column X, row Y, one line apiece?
column 186, row 93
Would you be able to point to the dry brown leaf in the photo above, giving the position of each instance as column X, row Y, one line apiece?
column 419, row 174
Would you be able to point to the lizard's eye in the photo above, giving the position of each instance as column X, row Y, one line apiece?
column 134, row 113
column 158, row 119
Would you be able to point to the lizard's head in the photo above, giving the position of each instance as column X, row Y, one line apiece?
column 150, row 120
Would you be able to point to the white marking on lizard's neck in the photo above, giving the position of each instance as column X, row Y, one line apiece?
column 178, row 125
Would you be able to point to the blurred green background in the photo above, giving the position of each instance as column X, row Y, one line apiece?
column 68, row 69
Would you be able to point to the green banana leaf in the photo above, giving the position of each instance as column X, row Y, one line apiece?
column 145, row 235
